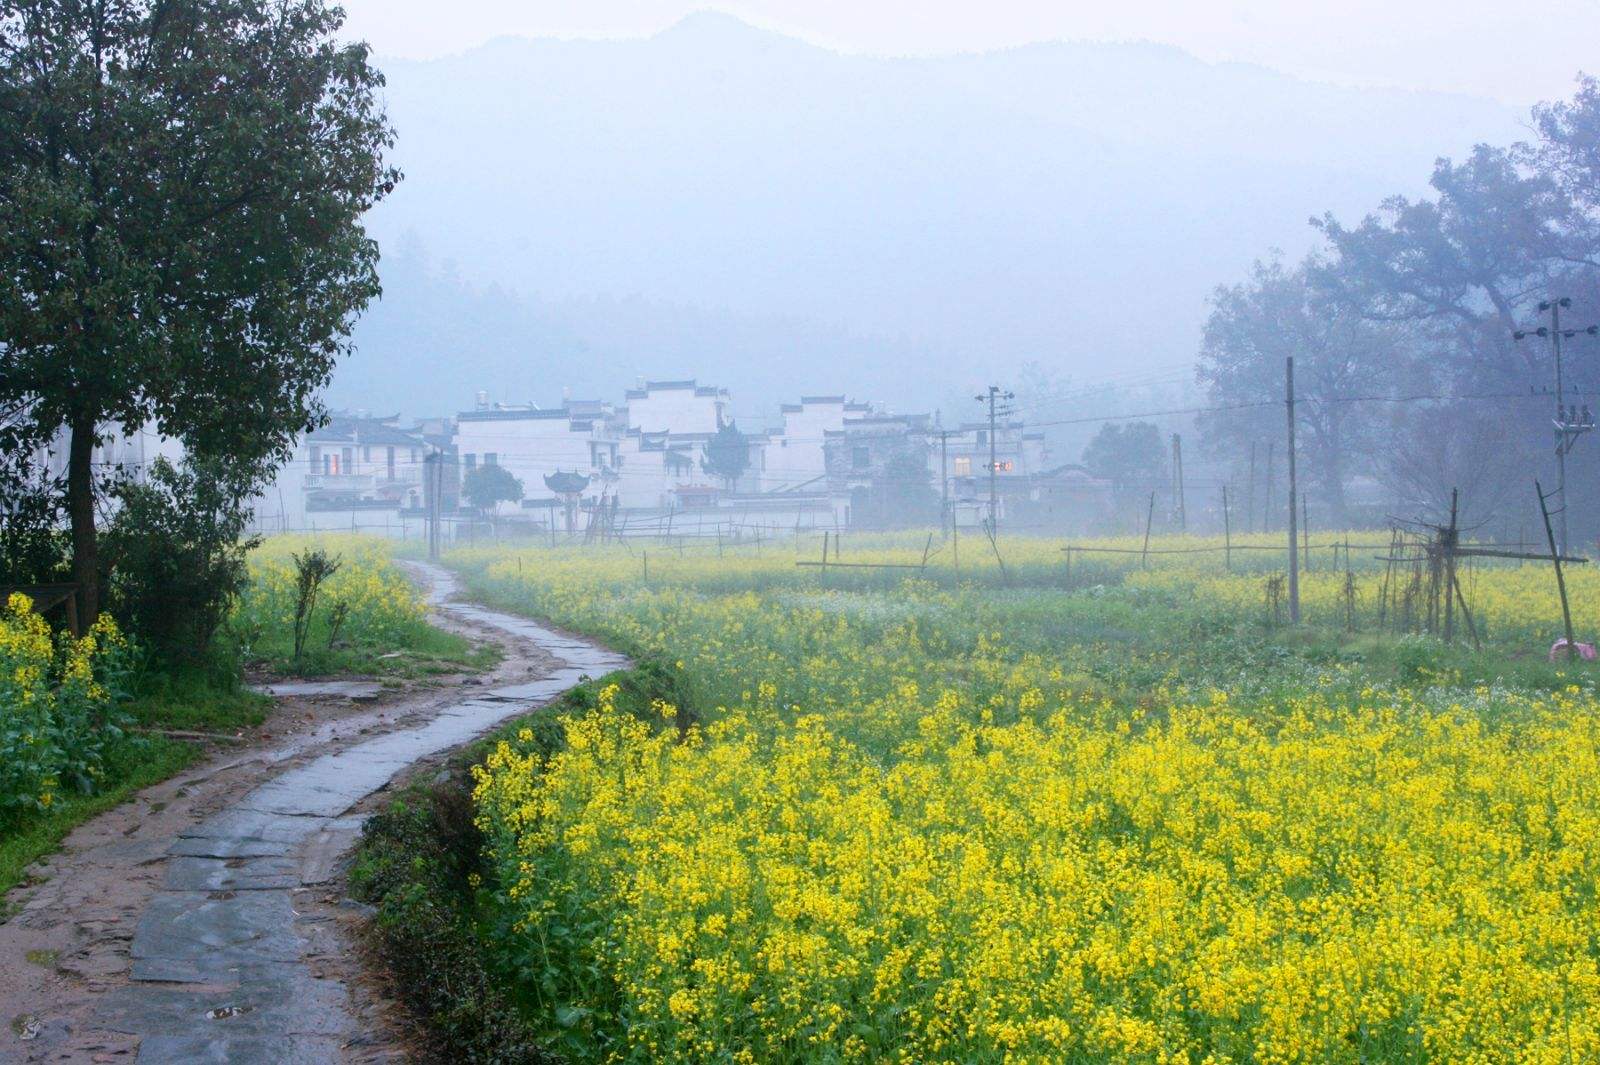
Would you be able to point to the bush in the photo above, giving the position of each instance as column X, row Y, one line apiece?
column 177, row 557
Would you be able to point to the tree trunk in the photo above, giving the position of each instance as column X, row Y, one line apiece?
column 80, row 510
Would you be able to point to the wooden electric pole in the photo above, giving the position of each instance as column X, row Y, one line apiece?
column 945, row 518
column 1178, row 509
column 992, row 397
column 431, row 468
column 1569, row 423
column 1266, row 497
column 1250, row 494
column 1294, row 548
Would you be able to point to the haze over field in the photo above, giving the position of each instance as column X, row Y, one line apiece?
column 723, row 201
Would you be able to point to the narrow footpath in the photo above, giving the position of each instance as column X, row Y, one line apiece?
column 205, row 930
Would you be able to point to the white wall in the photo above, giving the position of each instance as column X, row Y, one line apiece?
column 529, row 444
column 796, row 457
column 676, row 410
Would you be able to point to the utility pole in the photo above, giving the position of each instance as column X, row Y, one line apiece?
column 431, row 483
column 1569, row 424
column 1266, row 499
column 1179, row 511
column 992, row 397
column 944, row 478
column 1294, row 548
column 1250, row 495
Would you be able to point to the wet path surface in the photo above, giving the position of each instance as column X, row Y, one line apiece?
column 224, row 963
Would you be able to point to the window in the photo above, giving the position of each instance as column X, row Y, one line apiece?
column 963, row 466
column 366, row 453
column 389, row 458
column 470, row 460
column 349, row 460
column 860, row 458
column 983, row 437
column 491, row 458
column 316, row 459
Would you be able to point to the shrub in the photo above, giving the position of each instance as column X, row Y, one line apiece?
column 311, row 569
column 177, row 554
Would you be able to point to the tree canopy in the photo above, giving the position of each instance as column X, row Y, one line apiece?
column 487, row 486
column 1131, row 455
column 1402, row 328
column 726, row 454
column 181, row 190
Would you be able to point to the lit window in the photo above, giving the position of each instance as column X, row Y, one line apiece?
column 963, row 466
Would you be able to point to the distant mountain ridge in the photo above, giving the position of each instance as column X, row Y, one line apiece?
column 899, row 226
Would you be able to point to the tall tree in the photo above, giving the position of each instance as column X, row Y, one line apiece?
column 1257, row 324
column 1569, row 143
column 726, row 455
column 1466, row 266
column 1464, row 270
column 1131, row 455
column 181, row 188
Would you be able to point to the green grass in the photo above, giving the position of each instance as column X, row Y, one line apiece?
column 133, row 766
column 196, row 699
column 426, row 652
column 422, row 650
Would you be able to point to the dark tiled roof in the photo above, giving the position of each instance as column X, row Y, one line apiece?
column 366, row 432
column 513, row 415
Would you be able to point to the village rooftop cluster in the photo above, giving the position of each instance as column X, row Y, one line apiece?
column 828, row 462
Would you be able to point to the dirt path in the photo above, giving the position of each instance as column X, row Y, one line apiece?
column 200, row 922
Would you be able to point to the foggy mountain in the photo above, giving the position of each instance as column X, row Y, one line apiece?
column 725, row 202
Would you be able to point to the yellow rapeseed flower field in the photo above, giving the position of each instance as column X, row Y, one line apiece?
column 380, row 607
column 1119, row 818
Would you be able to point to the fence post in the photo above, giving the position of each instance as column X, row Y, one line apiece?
column 1227, row 532
column 1144, row 556
column 1561, row 582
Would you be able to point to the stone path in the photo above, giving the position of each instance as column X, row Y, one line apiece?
column 223, row 962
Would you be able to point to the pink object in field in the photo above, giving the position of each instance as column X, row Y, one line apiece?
column 1558, row 649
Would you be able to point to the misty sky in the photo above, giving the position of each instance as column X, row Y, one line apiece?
column 1515, row 52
